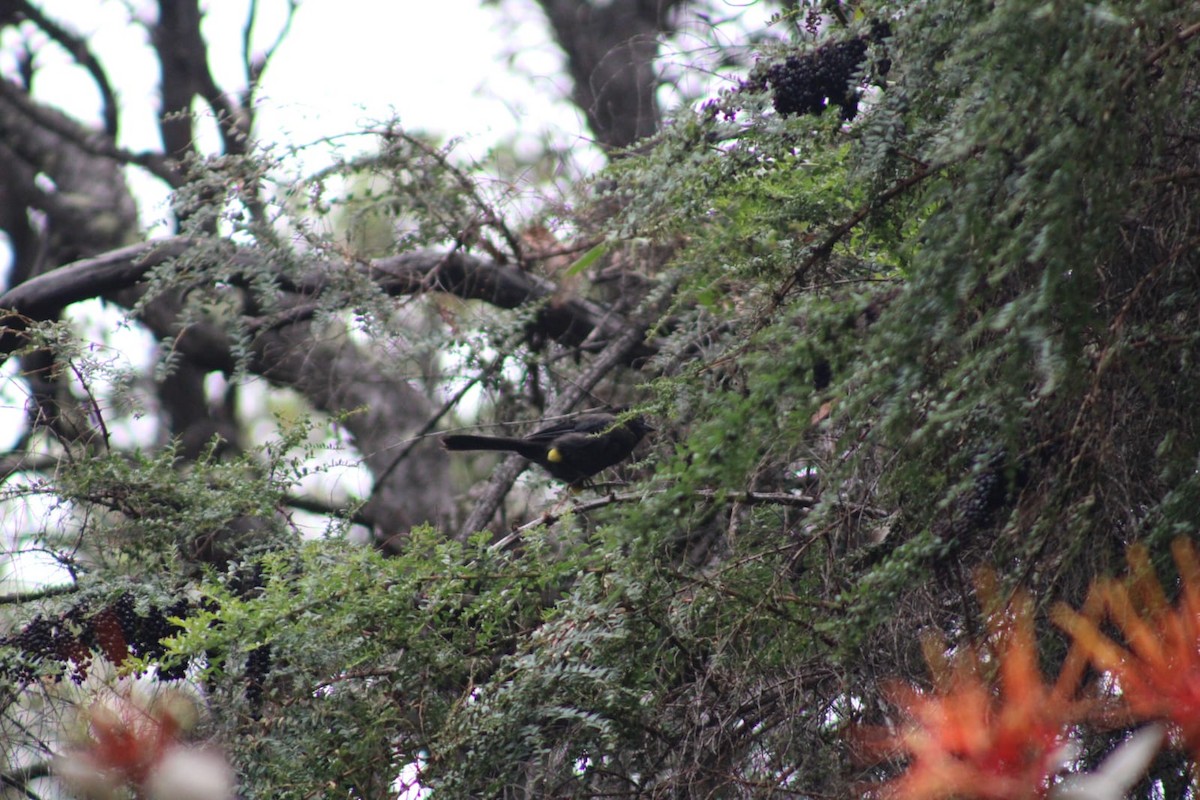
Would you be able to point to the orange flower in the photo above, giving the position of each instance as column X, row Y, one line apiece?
column 1158, row 674
column 991, row 729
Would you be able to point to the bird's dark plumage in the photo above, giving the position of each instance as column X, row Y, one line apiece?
column 571, row 451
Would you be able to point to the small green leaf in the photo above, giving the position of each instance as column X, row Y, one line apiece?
column 587, row 259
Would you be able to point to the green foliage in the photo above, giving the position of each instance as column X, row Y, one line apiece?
column 398, row 644
column 974, row 261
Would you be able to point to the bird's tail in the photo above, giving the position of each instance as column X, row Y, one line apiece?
column 504, row 443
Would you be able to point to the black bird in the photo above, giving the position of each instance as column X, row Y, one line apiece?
column 571, row 451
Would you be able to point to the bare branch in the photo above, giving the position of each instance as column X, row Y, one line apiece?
column 256, row 66
column 37, row 594
column 90, row 142
column 582, row 507
column 441, row 412
column 570, row 322
column 41, row 297
column 15, row 462
column 19, row 778
column 82, row 54
column 314, row 506
column 183, row 54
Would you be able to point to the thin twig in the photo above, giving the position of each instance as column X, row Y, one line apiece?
column 433, row 420
column 83, row 56
column 747, row 498
column 34, row 595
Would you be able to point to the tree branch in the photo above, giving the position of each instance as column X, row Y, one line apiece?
column 328, row 373
column 82, row 54
column 20, row 777
column 570, row 322
column 37, row 594
column 582, row 507
column 90, row 142
column 611, row 48
column 256, row 65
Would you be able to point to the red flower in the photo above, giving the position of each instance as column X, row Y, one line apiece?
column 123, row 741
column 990, row 729
column 1158, row 674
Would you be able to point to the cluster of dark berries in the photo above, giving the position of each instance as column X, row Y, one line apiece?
column 43, row 640
column 989, row 491
column 812, row 21
column 806, row 84
column 258, row 666
column 145, row 634
column 115, row 631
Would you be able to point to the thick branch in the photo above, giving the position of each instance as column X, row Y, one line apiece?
column 569, row 321
column 93, row 143
column 90, row 208
column 611, row 48
column 382, row 409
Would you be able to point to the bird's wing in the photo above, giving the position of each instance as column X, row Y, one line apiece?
column 585, row 424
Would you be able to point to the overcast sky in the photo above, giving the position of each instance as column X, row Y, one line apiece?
column 451, row 67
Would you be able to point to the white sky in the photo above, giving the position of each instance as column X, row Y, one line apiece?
column 450, row 67
column 438, row 63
